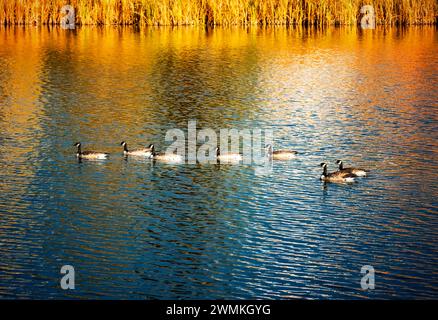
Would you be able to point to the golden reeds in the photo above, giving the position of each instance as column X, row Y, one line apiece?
column 218, row 12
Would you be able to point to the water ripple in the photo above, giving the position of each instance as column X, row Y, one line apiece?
column 134, row 229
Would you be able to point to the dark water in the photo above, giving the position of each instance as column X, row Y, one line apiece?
column 132, row 229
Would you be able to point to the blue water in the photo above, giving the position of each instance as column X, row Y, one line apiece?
column 134, row 229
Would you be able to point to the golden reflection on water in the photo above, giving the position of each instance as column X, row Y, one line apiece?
column 117, row 78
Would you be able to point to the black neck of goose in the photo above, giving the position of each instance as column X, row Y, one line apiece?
column 324, row 171
column 79, row 149
column 341, row 166
column 125, row 147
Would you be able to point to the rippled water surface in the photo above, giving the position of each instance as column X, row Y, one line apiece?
column 133, row 229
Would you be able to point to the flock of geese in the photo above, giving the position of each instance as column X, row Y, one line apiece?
column 342, row 175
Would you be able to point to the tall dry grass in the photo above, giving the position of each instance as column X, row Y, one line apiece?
column 218, row 12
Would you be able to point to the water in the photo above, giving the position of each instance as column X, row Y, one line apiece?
column 135, row 230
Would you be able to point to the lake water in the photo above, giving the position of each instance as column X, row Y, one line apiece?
column 137, row 230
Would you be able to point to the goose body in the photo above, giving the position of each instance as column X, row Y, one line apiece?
column 145, row 152
column 356, row 171
column 280, row 154
column 337, row 176
column 165, row 157
column 228, row 157
column 92, row 155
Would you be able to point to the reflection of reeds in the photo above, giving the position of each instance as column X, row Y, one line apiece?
column 219, row 12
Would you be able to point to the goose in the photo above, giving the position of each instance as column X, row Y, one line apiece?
column 144, row 152
column 337, row 176
column 280, row 154
column 228, row 157
column 356, row 171
column 89, row 154
column 165, row 157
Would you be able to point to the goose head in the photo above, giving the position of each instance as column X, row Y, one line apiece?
column 324, row 170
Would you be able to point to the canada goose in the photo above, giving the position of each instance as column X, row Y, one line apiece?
column 356, row 171
column 145, row 152
column 89, row 154
column 165, row 157
column 280, row 154
column 337, row 176
column 228, row 157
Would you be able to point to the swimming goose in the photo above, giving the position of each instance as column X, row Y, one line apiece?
column 165, row 157
column 228, row 157
column 337, row 176
column 356, row 171
column 145, row 152
column 89, row 154
column 280, row 154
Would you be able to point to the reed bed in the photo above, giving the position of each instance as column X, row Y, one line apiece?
column 218, row 12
